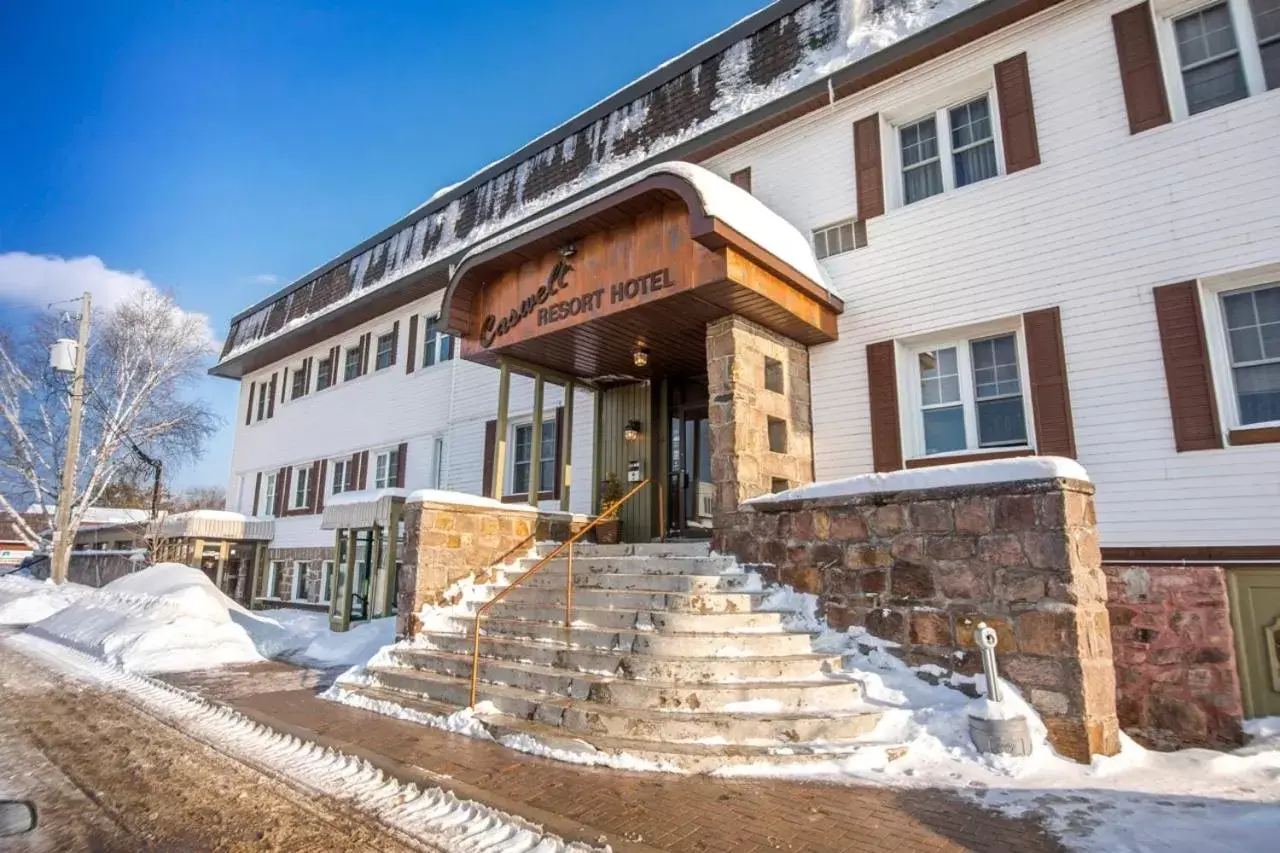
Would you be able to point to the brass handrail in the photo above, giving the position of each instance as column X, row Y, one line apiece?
column 608, row 513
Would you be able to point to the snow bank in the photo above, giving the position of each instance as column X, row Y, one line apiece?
column 166, row 618
column 937, row 477
column 311, row 643
column 24, row 600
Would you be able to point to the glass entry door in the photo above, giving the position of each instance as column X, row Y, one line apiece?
column 690, row 493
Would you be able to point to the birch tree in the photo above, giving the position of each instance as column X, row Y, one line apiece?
column 144, row 358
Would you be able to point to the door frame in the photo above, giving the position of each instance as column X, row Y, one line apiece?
column 1241, row 632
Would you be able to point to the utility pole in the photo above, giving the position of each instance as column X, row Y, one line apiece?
column 66, row 492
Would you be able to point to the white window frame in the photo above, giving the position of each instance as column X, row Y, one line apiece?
column 1212, row 289
column 299, row 567
column 273, row 577
column 326, row 581
column 911, row 404
column 264, row 405
column 332, row 372
column 826, row 230
column 293, row 379
column 301, row 482
column 548, row 423
column 432, row 349
column 938, row 106
column 437, row 462
column 359, row 362
column 377, row 343
column 269, row 495
column 1168, row 11
column 382, row 460
column 345, row 464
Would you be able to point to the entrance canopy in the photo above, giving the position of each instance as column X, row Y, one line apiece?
column 643, row 264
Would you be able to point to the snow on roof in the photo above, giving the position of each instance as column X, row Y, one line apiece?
column 440, row 496
column 863, row 33
column 736, row 207
column 364, row 496
column 938, row 477
column 97, row 514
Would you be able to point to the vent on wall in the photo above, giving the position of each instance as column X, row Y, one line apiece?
column 839, row 238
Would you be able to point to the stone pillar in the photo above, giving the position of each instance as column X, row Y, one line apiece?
column 761, row 426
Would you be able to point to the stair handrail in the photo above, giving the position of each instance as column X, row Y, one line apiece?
column 608, row 513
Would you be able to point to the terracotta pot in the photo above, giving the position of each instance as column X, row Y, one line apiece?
column 608, row 532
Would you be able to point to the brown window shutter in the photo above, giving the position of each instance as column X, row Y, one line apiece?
column 1186, row 368
column 559, row 452
column 1140, row 74
column 248, row 415
column 364, row 469
column 867, row 167
column 401, row 452
column 395, row 340
column 353, row 473
column 271, row 401
column 257, row 491
column 1017, row 114
column 319, row 475
column 411, row 350
column 313, row 484
column 882, row 385
column 1047, row 372
column 741, row 179
column 281, row 487
column 490, row 448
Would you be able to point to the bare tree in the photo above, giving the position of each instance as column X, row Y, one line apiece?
column 144, row 357
column 200, row 497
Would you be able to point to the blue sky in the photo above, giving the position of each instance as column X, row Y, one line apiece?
column 221, row 149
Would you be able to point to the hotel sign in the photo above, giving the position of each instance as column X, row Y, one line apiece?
column 551, row 305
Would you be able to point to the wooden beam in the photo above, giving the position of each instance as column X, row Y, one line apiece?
column 535, row 449
column 566, row 446
column 500, row 442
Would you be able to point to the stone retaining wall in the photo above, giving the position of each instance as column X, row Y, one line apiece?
column 923, row 568
column 1177, row 683
column 446, row 542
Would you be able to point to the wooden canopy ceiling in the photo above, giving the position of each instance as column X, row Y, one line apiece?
column 642, row 267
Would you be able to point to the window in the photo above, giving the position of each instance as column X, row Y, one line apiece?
column 340, row 476
column 1209, row 59
column 970, row 396
column 437, row 462
column 437, row 346
column 386, row 353
column 1252, row 321
column 301, row 477
column 774, row 376
column 1266, row 23
column 301, row 582
column 324, row 373
column 274, row 570
column 963, row 153
column 268, row 496
column 299, row 384
column 351, row 367
column 385, row 469
column 326, row 581
column 838, row 239
column 522, row 456
column 263, row 391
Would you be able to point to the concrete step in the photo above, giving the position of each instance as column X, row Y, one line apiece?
column 658, row 620
column 654, row 642
column 715, row 565
column 641, row 667
column 634, row 549
column 744, row 582
column 816, row 693
column 596, row 718
column 676, row 602
column 692, row 757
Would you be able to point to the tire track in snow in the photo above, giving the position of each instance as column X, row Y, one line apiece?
column 420, row 814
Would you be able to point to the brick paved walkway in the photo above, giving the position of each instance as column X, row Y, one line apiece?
column 635, row 812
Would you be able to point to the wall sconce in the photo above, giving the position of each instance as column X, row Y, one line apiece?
column 631, row 432
column 640, row 356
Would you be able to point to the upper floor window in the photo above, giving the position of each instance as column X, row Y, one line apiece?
column 324, row 373
column 268, row 507
column 1222, row 52
column 340, row 476
column 351, row 365
column 1252, row 321
column 299, row 384
column 952, row 148
column 264, row 391
column 301, row 479
column 386, row 467
column 437, row 345
column 969, row 395
column 1266, row 21
column 522, row 458
column 386, row 354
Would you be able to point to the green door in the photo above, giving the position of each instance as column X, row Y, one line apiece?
column 1255, row 611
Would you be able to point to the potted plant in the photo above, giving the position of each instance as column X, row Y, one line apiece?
column 609, row 527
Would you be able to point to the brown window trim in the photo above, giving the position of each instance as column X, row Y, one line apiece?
column 523, row 497
column 957, row 458
column 1253, row 435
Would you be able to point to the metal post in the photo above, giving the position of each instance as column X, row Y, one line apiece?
column 987, row 640
column 535, row 451
column 566, row 446
column 500, row 440
column 66, row 491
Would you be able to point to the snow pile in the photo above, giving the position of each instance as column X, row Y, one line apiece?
column 936, row 477
column 24, row 600
column 166, row 618
column 307, row 639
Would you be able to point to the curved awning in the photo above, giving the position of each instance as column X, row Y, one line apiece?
column 646, row 262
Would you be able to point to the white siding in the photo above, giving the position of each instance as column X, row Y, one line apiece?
column 1106, row 217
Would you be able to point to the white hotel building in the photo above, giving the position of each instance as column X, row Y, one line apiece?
column 1028, row 226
